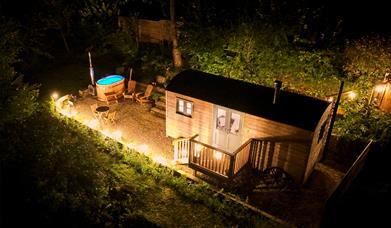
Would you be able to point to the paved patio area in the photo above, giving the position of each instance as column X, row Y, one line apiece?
column 138, row 127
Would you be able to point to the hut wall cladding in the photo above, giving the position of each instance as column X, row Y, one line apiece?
column 178, row 125
column 289, row 155
column 153, row 31
column 386, row 102
column 292, row 156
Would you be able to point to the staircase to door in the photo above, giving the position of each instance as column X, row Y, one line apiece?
column 160, row 107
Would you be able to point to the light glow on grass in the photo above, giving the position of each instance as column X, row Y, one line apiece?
column 92, row 123
column 117, row 135
column 159, row 159
column 352, row 95
column 143, row 148
column 106, row 133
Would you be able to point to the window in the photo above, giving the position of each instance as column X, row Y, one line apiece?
column 235, row 123
column 184, row 107
column 220, row 120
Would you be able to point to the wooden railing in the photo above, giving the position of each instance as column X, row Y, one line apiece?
column 182, row 148
column 263, row 150
column 209, row 159
column 218, row 162
column 213, row 161
column 241, row 156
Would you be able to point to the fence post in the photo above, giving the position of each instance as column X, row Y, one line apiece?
column 231, row 166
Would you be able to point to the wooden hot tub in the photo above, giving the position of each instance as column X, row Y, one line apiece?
column 111, row 83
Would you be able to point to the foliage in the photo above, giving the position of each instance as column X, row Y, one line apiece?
column 124, row 42
column 366, row 61
column 260, row 54
column 17, row 99
column 364, row 122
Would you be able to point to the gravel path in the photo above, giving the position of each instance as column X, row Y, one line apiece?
column 138, row 126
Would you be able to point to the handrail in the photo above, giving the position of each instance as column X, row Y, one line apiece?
column 212, row 147
column 281, row 139
column 182, row 148
column 242, row 146
column 182, row 139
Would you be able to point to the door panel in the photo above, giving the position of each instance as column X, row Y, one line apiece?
column 228, row 125
column 221, row 138
column 234, row 133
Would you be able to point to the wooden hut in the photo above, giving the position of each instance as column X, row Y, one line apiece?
column 381, row 96
column 222, row 125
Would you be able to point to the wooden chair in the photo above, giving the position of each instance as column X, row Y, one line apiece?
column 131, row 90
column 83, row 93
column 111, row 117
column 93, row 109
column 143, row 97
column 111, row 97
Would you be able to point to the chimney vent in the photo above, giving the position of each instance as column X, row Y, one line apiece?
column 277, row 87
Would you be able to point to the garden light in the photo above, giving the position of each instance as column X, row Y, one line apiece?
column 380, row 88
column 352, row 95
column 55, row 96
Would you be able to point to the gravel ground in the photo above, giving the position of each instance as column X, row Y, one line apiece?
column 137, row 124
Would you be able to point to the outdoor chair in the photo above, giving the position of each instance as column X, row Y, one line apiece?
column 131, row 90
column 111, row 117
column 111, row 97
column 144, row 97
column 83, row 93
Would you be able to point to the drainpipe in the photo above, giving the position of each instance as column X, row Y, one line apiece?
column 277, row 87
column 332, row 120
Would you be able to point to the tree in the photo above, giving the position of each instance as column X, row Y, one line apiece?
column 17, row 99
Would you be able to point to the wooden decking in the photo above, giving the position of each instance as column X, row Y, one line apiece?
column 259, row 154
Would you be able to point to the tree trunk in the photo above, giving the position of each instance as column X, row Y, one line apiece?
column 176, row 54
column 65, row 41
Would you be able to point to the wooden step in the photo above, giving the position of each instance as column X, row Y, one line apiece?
column 161, row 105
column 158, row 112
column 162, row 98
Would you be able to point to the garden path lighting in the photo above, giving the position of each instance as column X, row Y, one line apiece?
column 378, row 93
column 55, row 96
column 352, row 95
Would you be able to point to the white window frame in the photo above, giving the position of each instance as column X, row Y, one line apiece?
column 182, row 107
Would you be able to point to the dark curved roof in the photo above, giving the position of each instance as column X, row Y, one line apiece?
column 293, row 109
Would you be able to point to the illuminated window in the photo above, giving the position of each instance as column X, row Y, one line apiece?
column 220, row 120
column 235, row 123
column 184, row 107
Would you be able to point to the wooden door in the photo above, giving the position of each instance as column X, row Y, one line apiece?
column 227, row 128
